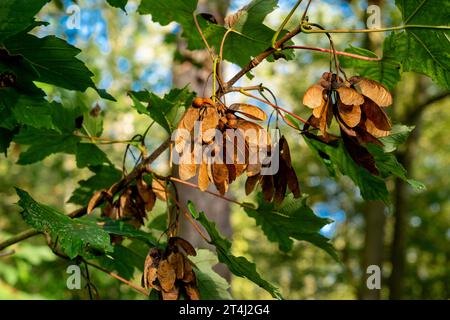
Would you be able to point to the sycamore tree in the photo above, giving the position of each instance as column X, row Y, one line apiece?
column 210, row 140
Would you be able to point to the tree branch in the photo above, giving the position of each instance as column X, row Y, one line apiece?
column 115, row 188
column 262, row 56
column 114, row 275
column 18, row 237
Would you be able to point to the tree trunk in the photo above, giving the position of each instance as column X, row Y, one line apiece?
column 375, row 219
column 185, row 72
column 373, row 211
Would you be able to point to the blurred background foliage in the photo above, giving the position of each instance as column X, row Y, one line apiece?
column 127, row 51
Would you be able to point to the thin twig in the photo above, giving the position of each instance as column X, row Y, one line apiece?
column 262, row 56
column 285, row 21
column 306, row 11
column 249, row 88
column 341, row 53
column 411, row 26
column 207, row 191
column 7, row 253
column 211, row 53
column 114, row 275
column 82, row 211
column 191, row 221
column 18, row 237
column 274, row 106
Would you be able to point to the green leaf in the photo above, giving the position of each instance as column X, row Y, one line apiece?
column 239, row 266
column 6, row 137
column 64, row 117
column 121, row 228
column 53, row 59
column 118, row 4
column 44, row 142
column 396, row 137
column 167, row 11
column 162, row 110
column 158, row 222
column 23, row 71
column 211, row 285
column 17, row 15
column 123, row 260
column 386, row 71
column 421, row 50
column 104, row 177
column 249, row 38
column 292, row 220
column 335, row 157
column 92, row 124
column 34, row 112
column 75, row 236
column 191, row 208
column 89, row 154
column 17, row 108
column 388, row 165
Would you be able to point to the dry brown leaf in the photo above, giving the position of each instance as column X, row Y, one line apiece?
column 150, row 269
column 250, row 132
column 171, row 294
column 124, row 203
column 146, row 193
column 94, row 200
column 268, row 188
column 373, row 90
column 220, row 177
column 203, row 180
column 293, row 185
column 176, row 259
column 280, row 183
column 325, row 117
column 359, row 154
column 192, row 291
column 187, row 167
column 187, row 122
column 344, row 127
column 189, row 275
column 166, row 275
column 363, row 136
column 350, row 114
column 249, row 111
column 253, row 169
column 251, row 183
column 210, row 121
column 231, row 172
column 374, row 131
column 313, row 97
column 350, row 96
column 240, row 168
column 185, row 245
column 285, row 153
column 159, row 188
column 376, row 116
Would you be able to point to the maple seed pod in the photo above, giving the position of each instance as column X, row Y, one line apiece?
column 197, row 103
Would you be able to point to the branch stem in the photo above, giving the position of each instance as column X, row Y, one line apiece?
column 274, row 106
column 341, row 53
column 285, row 21
column 114, row 275
column 18, row 237
column 410, row 26
column 207, row 191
